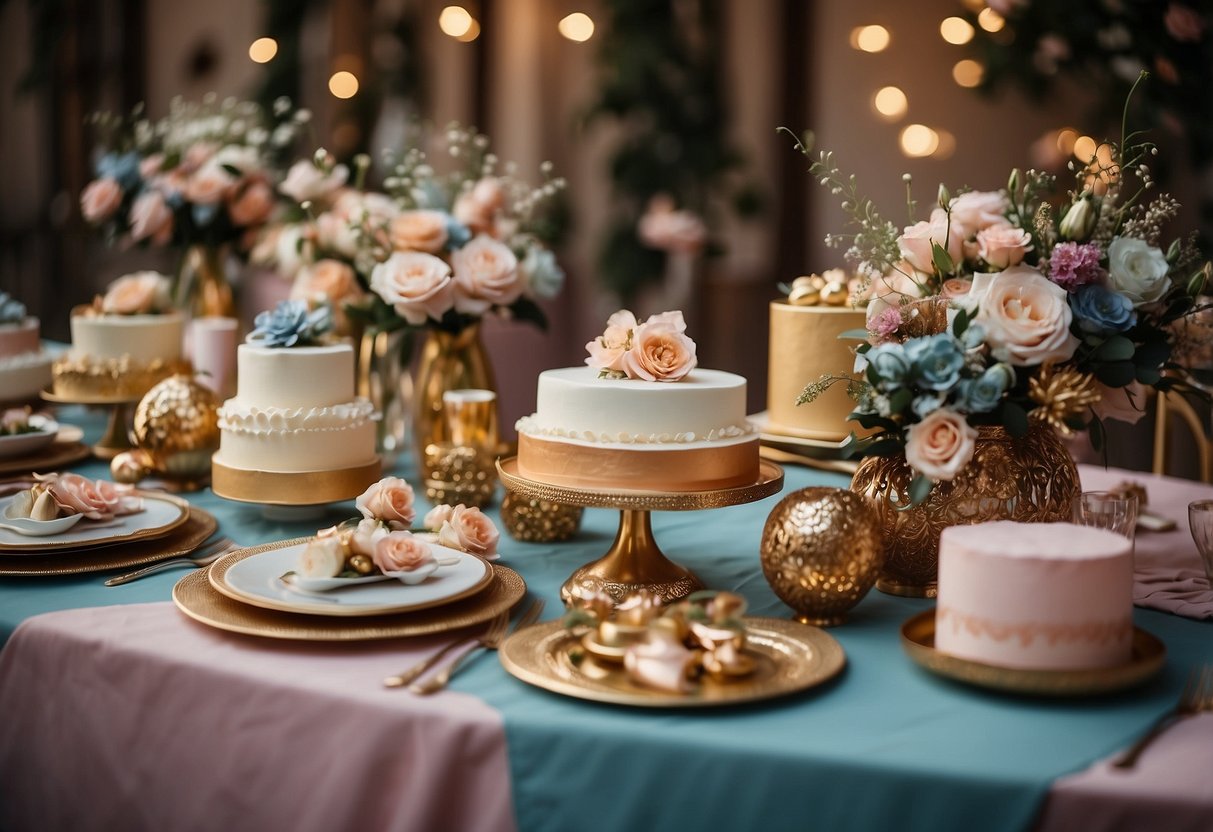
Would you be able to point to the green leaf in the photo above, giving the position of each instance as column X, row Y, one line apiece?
column 941, row 258
column 1149, row 376
column 870, row 421
column 1095, row 430
column 1116, row 373
column 885, row 447
column 1014, row 418
column 920, row 489
column 527, row 310
column 961, row 323
column 854, row 334
column 231, row 169
column 1116, row 348
column 900, row 400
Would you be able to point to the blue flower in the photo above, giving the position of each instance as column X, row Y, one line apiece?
column 922, row 405
column 1101, row 311
column 973, row 337
column 457, row 234
column 203, row 214
column 291, row 323
column 982, row 394
column 889, row 362
column 937, row 360
column 123, row 169
column 543, row 277
column 11, row 310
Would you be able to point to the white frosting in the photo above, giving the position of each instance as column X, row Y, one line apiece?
column 575, row 404
column 142, row 337
column 293, row 377
column 24, row 376
column 237, row 418
column 329, row 448
column 1035, row 595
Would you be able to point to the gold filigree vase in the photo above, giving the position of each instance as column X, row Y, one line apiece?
column 203, row 290
column 1029, row 479
column 448, row 361
column 383, row 379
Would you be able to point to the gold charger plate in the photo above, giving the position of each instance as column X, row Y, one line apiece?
column 918, row 640
column 196, row 598
column 65, row 450
column 217, row 575
column 178, row 543
column 770, row 481
column 42, row 544
column 56, row 398
column 790, row 657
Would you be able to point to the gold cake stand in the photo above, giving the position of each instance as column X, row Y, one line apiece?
column 116, row 438
column 295, row 495
column 634, row 561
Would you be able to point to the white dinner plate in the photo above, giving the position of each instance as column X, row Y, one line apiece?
column 161, row 514
column 21, row 444
column 254, row 577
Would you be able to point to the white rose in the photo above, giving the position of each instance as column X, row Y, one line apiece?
column 486, row 274
column 288, row 252
column 304, row 181
column 1026, row 316
column 1137, row 270
column 367, row 534
column 916, row 243
column 418, row 285
column 323, row 557
column 941, row 444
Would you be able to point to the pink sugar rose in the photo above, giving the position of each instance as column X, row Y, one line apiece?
column 97, row 500
column 401, row 552
column 416, row 284
column 140, row 293
column 419, row 231
column 437, row 516
column 1025, row 315
column 252, row 205
column 151, row 218
column 468, row 529
column 1003, row 245
column 940, row 445
column 660, row 352
column 486, row 275
column 389, row 500
column 607, row 350
column 100, row 200
column 917, row 241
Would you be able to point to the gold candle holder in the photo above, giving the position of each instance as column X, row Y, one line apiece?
column 463, row 469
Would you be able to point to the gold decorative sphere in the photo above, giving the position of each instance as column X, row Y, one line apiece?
column 178, row 414
column 821, row 552
column 539, row 521
column 129, row 467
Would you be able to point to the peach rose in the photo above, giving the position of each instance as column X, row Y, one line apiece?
column 100, row 200
column 198, row 155
column 437, row 516
column 664, row 228
column 306, row 182
column 418, row 231
column 140, row 293
column 366, row 534
column 976, row 210
column 416, row 284
column 955, row 287
column 1124, row 404
column 329, row 280
column 1003, row 245
column 468, row 529
column 478, row 207
column 486, row 274
column 401, row 552
column 323, row 557
column 917, row 240
column 389, row 500
column 149, row 166
column 98, row 500
column 209, row 185
column 659, row 353
column 1025, row 315
column 151, row 218
column 941, row 444
column 252, row 205
column 607, row 350
column 489, row 193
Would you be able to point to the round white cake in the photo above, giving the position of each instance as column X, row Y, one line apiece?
column 141, row 338
column 592, row 432
column 25, row 368
column 295, row 411
column 1041, row 596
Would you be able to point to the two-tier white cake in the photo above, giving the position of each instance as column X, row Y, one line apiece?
column 25, row 368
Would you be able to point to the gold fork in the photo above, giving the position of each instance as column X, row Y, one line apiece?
column 1197, row 696
column 205, row 555
column 491, row 640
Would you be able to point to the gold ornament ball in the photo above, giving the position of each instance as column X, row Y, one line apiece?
column 821, row 553
column 539, row 521
column 129, row 467
column 177, row 415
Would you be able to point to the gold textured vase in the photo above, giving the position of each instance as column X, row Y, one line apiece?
column 1029, row 479
column 449, row 361
column 203, row 290
column 383, row 379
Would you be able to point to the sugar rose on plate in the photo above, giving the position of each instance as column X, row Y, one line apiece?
column 389, row 500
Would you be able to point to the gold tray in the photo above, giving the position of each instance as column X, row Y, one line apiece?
column 918, row 640
column 53, row 457
column 56, row 398
column 790, row 657
column 195, row 597
column 218, row 573
column 180, row 542
column 303, row 488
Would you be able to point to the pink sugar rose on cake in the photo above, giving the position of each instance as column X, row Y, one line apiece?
column 141, row 293
column 660, row 351
column 389, row 500
column 607, row 350
column 401, row 552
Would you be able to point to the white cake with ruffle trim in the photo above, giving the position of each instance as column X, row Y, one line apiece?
column 25, row 368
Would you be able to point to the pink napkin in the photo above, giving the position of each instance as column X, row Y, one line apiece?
column 1167, row 574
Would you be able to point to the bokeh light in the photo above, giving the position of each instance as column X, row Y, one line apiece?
column 918, row 140
column 890, row 102
column 990, row 20
column 457, row 22
column 870, row 38
column 968, row 73
column 577, row 26
column 956, row 30
column 343, row 84
column 263, row 50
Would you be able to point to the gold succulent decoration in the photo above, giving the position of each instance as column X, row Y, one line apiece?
column 1062, row 394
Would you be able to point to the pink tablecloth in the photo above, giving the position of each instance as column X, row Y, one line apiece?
column 259, row 735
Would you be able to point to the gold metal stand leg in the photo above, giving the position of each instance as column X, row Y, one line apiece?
column 117, row 438
column 634, row 562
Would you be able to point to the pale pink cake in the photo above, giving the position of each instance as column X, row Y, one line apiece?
column 1043, row 596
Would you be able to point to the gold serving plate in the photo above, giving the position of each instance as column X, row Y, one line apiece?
column 196, row 598
column 1149, row 655
column 788, row 657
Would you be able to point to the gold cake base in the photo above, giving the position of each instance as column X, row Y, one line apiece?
column 295, row 488
column 117, row 438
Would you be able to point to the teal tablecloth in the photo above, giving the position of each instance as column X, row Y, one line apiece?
column 885, row 746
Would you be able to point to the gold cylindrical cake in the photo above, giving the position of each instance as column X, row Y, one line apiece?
column 804, row 346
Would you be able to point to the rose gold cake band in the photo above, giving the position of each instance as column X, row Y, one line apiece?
column 650, row 468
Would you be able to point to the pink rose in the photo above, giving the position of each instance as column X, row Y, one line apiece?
column 917, row 241
column 331, row 281
column 892, row 291
column 607, row 350
column 389, row 500
column 100, row 200
column 417, row 285
column 98, row 500
column 151, row 165
column 666, row 229
column 941, row 444
column 437, row 516
column 489, row 193
column 367, row 533
column 1003, row 245
column 486, row 275
column 956, row 287
column 197, row 156
column 209, row 185
column 1025, row 315
column 468, row 529
column 401, row 552
column 975, row 210
column 1183, row 23
column 478, row 207
column 151, row 218
column 1124, row 404
column 659, row 353
column 305, row 182
column 140, row 293
column 252, row 205
column 418, row 231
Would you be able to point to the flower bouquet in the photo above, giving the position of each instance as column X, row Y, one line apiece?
column 999, row 309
